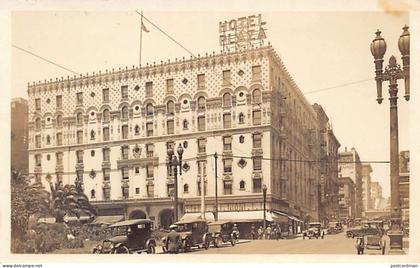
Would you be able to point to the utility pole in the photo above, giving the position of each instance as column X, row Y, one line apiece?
column 216, row 215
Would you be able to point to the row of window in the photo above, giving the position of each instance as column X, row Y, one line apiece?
column 256, row 75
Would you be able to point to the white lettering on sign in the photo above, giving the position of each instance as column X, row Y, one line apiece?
column 242, row 33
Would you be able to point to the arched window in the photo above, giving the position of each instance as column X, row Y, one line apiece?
column 241, row 118
column 59, row 120
column 185, row 124
column 79, row 118
column 227, row 100
column 242, row 185
column 105, row 115
column 201, row 103
column 124, row 113
column 256, row 96
column 149, row 109
column 38, row 123
column 186, row 188
column 170, row 107
column 48, row 139
column 137, row 130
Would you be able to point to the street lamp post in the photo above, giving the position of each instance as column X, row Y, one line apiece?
column 392, row 73
column 174, row 163
column 264, row 188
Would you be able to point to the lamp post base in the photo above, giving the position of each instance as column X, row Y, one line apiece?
column 395, row 242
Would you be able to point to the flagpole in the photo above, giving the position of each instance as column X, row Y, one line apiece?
column 141, row 31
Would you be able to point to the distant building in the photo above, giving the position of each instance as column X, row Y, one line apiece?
column 366, row 187
column 405, row 184
column 19, row 135
column 376, row 194
column 350, row 166
column 346, row 199
column 329, row 184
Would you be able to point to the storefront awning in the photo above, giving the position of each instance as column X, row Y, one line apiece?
column 294, row 218
column 239, row 216
column 107, row 220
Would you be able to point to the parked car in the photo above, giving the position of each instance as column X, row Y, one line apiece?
column 223, row 232
column 334, row 227
column 367, row 228
column 194, row 233
column 314, row 231
column 132, row 236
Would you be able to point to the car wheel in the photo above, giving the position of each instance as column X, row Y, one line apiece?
column 121, row 250
column 218, row 241
column 185, row 246
column 151, row 249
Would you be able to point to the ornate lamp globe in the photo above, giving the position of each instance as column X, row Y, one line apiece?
column 378, row 46
column 404, row 42
column 180, row 150
column 170, row 152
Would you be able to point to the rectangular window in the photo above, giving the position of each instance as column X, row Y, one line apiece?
column 169, row 86
column 137, row 190
column 170, row 125
column 105, row 95
column 170, row 190
column 59, row 158
column 59, row 139
column 149, row 129
column 105, row 154
column 201, row 123
column 107, row 173
column 256, row 141
column 227, row 165
column 124, row 151
column 201, row 145
column 201, row 81
column 256, row 117
column 79, row 97
column 38, row 141
column 149, row 171
column 37, row 104
column 80, row 137
column 226, row 77
column 149, row 149
column 256, row 72
column 105, row 132
column 124, row 92
column 137, row 170
column 150, row 190
column 125, row 175
column 79, row 156
column 199, row 188
column 256, row 161
column 124, row 130
column 227, row 143
column 227, row 121
column 59, row 101
column 227, row 187
column 149, row 89
column 256, row 185
column 38, row 160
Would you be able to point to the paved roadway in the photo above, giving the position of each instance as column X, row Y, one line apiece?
column 331, row 244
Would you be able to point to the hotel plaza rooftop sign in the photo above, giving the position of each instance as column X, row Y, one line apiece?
column 242, row 33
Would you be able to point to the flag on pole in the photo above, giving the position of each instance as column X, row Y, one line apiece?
column 143, row 27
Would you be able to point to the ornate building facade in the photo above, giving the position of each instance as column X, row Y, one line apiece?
column 112, row 130
column 346, row 198
column 366, row 187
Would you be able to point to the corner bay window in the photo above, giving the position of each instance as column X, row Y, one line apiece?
column 59, row 139
column 170, row 125
column 256, row 117
column 124, row 130
column 227, row 165
column 149, row 171
column 125, row 175
column 149, row 149
column 150, row 190
column 256, row 140
column 106, row 172
column 105, row 154
column 38, row 141
column 227, row 121
column 124, row 152
column 149, row 129
column 227, row 187
column 80, row 137
column 256, row 161
column 201, row 123
column 256, row 185
column 201, row 145
column 227, row 143
column 105, row 132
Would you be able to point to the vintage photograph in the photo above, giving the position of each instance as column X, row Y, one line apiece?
column 161, row 132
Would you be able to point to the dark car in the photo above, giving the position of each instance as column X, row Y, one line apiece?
column 334, row 227
column 194, row 233
column 367, row 228
column 132, row 236
column 314, row 231
column 223, row 232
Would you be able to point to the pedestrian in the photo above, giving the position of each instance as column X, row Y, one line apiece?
column 235, row 231
column 260, row 232
column 268, row 232
column 278, row 234
column 253, row 232
column 173, row 242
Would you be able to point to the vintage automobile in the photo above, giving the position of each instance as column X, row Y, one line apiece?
column 194, row 233
column 367, row 228
column 334, row 227
column 223, row 232
column 314, row 230
column 370, row 242
column 130, row 236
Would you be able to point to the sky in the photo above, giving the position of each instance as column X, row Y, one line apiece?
column 320, row 50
